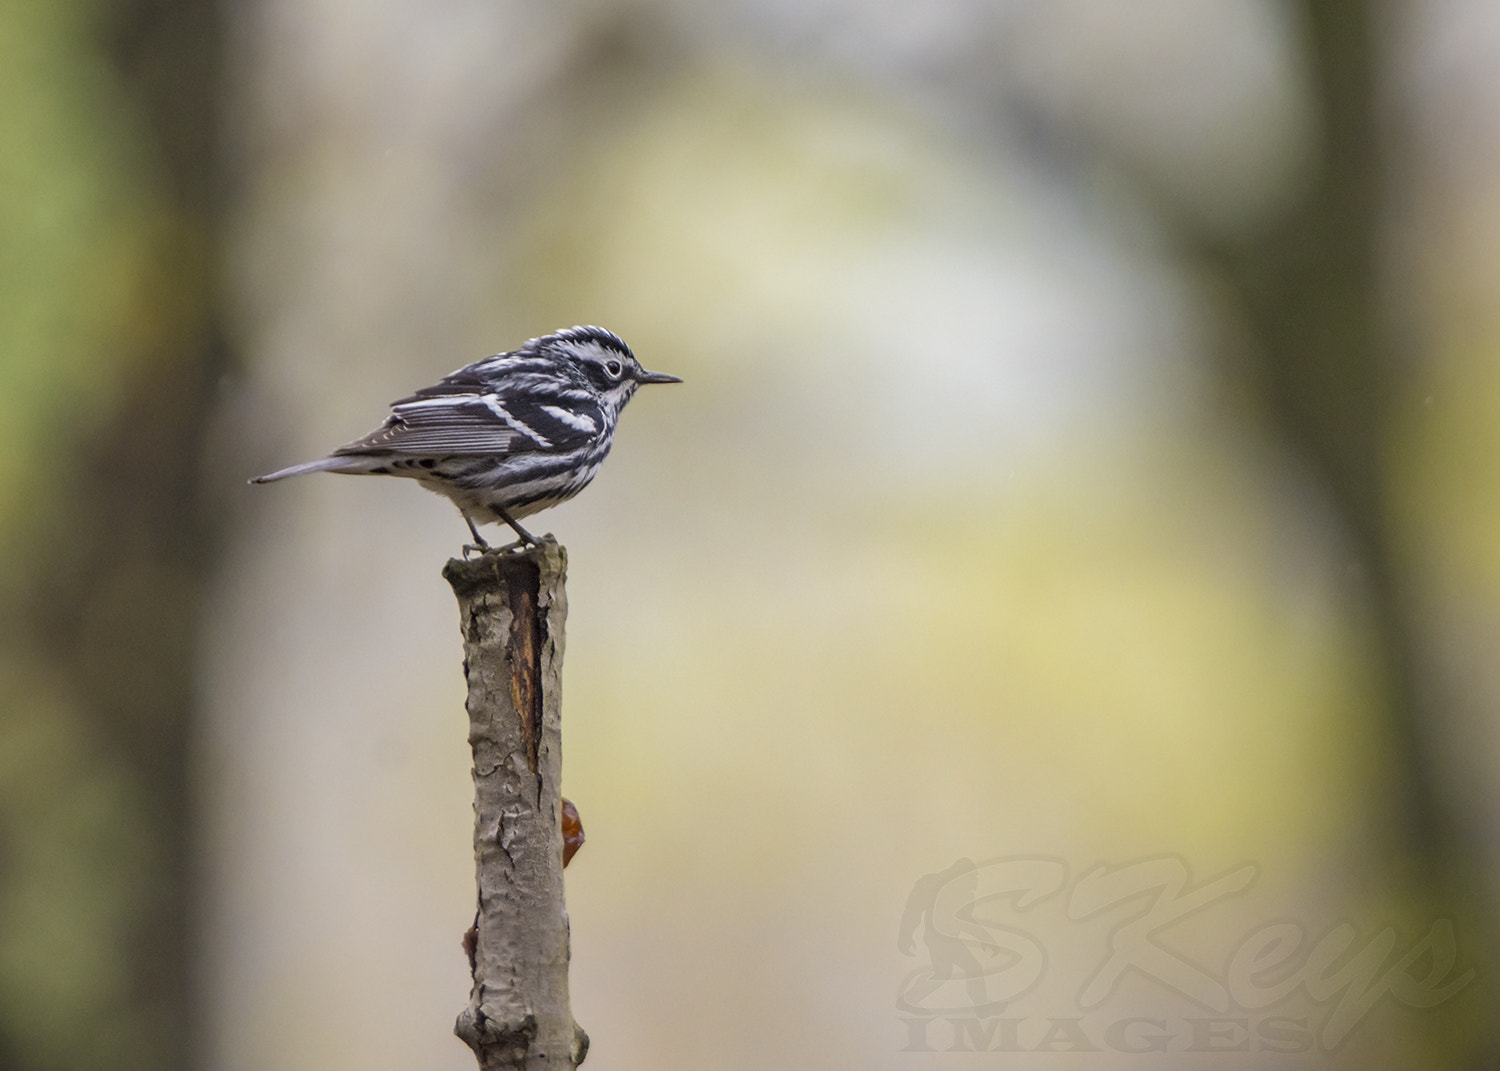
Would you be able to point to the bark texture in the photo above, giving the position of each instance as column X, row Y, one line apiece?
column 513, row 608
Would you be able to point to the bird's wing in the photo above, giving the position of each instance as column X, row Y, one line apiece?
column 565, row 419
column 467, row 380
column 488, row 423
column 504, row 372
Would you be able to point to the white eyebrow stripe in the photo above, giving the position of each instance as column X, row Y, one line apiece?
column 492, row 403
column 577, row 421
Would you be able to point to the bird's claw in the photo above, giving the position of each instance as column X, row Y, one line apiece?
column 515, row 546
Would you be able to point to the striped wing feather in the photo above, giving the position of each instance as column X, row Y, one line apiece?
column 479, row 424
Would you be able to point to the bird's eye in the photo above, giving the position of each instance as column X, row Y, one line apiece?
column 614, row 368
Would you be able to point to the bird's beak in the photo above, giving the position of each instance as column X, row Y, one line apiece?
column 655, row 377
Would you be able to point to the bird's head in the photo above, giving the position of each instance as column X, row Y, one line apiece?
column 604, row 361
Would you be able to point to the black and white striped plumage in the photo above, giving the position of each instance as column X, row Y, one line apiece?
column 509, row 435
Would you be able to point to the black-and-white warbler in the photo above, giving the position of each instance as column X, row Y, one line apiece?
column 509, row 435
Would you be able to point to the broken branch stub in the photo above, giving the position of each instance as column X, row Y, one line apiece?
column 512, row 607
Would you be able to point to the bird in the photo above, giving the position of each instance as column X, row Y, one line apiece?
column 506, row 436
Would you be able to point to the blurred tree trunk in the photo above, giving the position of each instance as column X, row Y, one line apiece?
column 1310, row 288
column 112, row 597
column 1313, row 291
column 147, row 472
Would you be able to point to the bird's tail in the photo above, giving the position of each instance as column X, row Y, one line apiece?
column 327, row 464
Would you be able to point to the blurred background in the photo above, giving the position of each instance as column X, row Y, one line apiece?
column 1089, row 452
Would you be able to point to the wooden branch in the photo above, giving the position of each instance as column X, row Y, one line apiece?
column 513, row 608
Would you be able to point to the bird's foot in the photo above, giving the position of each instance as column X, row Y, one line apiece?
column 515, row 546
column 527, row 539
column 479, row 546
